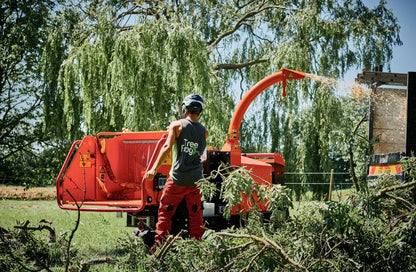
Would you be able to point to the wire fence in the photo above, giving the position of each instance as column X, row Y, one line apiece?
column 340, row 179
column 322, row 183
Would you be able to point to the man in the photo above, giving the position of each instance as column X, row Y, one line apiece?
column 187, row 140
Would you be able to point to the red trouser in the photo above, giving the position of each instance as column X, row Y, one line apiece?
column 171, row 197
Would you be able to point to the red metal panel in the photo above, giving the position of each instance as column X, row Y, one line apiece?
column 108, row 170
column 267, row 157
column 76, row 184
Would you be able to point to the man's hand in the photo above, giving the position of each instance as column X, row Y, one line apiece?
column 150, row 175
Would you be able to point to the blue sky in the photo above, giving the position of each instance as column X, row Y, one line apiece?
column 404, row 57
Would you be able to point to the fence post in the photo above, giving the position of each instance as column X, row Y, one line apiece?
column 330, row 184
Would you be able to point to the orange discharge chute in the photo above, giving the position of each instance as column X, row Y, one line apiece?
column 232, row 142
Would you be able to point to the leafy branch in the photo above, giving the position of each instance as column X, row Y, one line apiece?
column 32, row 248
column 238, row 185
column 394, row 188
column 170, row 240
column 268, row 243
column 51, row 230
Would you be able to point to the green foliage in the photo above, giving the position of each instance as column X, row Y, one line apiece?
column 24, row 249
column 278, row 198
column 408, row 166
column 101, row 66
column 133, row 249
column 322, row 237
column 208, row 189
column 135, row 78
column 238, row 184
column 35, row 168
column 365, row 232
column 235, row 186
column 23, row 27
column 131, row 65
column 368, row 231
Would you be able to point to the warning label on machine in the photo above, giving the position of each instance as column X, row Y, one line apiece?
column 85, row 160
column 391, row 169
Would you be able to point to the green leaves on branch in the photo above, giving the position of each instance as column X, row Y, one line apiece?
column 239, row 186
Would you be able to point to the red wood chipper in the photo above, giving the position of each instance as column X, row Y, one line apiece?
column 105, row 172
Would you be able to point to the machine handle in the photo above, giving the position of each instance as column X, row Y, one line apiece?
column 61, row 173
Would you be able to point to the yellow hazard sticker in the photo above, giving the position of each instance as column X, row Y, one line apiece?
column 385, row 169
column 85, row 160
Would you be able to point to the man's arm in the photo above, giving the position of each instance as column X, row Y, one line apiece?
column 173, row 133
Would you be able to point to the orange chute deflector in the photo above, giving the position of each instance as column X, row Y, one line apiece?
column 232, row 142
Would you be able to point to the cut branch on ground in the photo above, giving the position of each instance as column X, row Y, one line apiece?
column 266, row 242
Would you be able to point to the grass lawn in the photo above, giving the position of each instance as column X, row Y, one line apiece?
column 98, row 233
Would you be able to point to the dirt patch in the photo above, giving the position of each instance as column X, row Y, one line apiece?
column 21, row 193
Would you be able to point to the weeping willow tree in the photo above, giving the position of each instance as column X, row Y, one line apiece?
column 117, row 64
column 135, row 78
